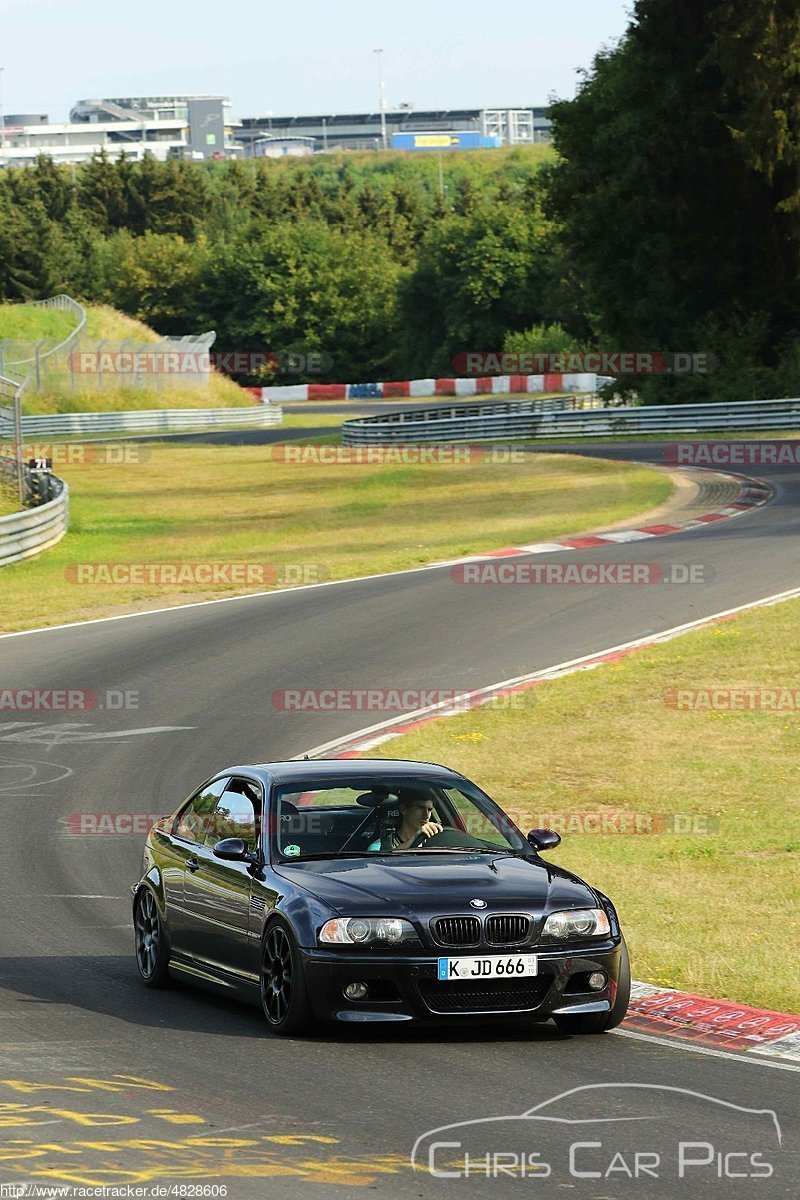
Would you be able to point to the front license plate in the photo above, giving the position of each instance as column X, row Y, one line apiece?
column 496, row 966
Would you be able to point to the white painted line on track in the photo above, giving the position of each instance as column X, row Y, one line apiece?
column 450, row 707
column 537, row 548
column 277, row 592
column 369, row 737
column 694, row 1048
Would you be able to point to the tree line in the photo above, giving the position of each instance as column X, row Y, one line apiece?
column 667, row 218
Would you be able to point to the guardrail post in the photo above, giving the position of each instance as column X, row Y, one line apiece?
column 98, row 352
column 18, row 449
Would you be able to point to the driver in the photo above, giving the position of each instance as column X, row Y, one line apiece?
column 416, row 811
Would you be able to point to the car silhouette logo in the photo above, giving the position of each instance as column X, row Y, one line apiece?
column 478, row 903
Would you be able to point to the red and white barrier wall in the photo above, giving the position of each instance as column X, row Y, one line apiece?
column 493, row 385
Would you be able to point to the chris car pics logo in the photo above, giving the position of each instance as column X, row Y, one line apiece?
column 613, row 1133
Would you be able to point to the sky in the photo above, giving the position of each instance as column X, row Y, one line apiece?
column 302, row 56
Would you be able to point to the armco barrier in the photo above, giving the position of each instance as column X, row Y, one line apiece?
column 535, row 420
column 32, row 530
column 161, row 420
column 495, row 385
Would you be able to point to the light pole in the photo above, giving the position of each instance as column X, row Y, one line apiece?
column 381, row 97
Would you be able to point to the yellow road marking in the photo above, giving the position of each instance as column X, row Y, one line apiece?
column 118, row 1083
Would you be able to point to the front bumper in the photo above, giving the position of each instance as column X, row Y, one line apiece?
column 405, row 987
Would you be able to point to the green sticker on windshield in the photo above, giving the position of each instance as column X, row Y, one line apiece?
column 291, row 851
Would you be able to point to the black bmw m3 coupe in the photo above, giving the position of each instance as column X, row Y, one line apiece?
column 373, row 890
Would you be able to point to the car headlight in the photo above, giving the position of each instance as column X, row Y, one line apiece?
column 576, row 923
column 360, row 931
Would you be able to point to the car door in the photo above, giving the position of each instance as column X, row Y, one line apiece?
column 217, row 894
column 185, row 837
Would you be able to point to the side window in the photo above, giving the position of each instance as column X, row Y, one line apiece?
column 191, row 821
column 236, row 815
column 470, row 819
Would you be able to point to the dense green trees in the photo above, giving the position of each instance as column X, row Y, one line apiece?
column 479, row 273
column 303, row 286
column 677, row 192
column 379, row 262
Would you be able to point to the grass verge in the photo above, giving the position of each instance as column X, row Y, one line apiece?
column 234, row 504
column 311, row 420
column 30, row 321
column 8, row 502
column 715, row 910
column 26, row 321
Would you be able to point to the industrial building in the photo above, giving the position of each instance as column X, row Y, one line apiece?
column 164, row 126
column 201, row 127
column 280, row 147
column 364, row 131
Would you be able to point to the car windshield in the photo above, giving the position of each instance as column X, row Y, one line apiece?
column 355, row 817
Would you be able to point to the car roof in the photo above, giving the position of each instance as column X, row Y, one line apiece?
column 343, row 768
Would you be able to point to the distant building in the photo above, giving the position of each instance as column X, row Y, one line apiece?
column 182, row 126
column 362, row 131
column 26, row 119
column 280, row 147
column 201, row 127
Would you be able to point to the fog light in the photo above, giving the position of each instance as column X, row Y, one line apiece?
column 597, row 981
column 357, row 991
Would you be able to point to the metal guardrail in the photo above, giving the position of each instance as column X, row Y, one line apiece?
column 166, row 420
column 31, row 530
column 493, row 422
column 572, row 402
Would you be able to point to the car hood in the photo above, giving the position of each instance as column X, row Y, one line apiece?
column 439, row 885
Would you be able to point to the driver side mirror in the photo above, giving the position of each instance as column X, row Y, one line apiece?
column 234, row 850
column 544, row 839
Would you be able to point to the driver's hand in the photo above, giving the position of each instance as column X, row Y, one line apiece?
column 430, row 829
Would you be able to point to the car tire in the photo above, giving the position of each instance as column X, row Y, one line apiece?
column 284, row 993
column 151, row 943
column 603, row 1022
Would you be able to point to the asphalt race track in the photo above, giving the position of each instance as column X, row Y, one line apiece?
column 104, row 1082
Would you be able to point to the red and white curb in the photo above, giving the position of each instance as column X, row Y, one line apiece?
column 718, row 1023
column 679, row 1016
column 752, row 494
column 492, row 385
